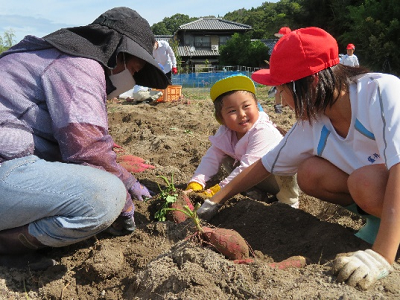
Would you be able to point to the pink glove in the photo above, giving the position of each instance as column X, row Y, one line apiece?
column 117, row 148
column 133, row 163
column 139, row 191
column 174, row 70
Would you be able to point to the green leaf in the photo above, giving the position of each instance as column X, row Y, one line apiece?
column 171, row 198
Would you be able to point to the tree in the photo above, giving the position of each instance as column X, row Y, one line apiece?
column 160, row 29
column 174, row 45
column 7, row 40
column 372, row 25
column 258, row 53
column 168, row 26
column 239, row 50
column 375, row 31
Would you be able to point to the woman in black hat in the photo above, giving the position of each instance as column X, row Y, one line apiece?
column 59, row 177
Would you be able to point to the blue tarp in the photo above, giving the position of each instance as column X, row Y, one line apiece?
column 206, row 79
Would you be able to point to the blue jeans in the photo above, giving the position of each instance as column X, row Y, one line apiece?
column 62, row 203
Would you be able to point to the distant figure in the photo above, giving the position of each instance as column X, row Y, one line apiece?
column 164, row 54
column 350, row 59
column 283, row 31
column 278, row 100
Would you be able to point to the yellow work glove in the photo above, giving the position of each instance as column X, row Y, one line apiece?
column 211, row 191
column 194, row 186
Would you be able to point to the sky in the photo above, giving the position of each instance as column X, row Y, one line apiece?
column 41, row 17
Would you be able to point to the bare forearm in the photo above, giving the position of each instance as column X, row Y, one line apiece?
column 387, row 241
column 242, row 182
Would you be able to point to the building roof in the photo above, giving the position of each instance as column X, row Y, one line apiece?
column 163, row 37
column 214, row 24
column 186, row 51
column 270, row 43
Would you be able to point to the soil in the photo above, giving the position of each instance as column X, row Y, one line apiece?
column 160, row 260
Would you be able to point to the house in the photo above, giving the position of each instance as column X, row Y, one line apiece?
column 166, row 38
column 270, row 43
column 199, row 41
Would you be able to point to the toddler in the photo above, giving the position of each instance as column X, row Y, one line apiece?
column 245, row 135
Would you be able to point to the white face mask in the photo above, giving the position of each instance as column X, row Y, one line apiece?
column 123, row 82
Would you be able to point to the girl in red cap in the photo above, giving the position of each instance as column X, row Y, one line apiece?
column 345, row 147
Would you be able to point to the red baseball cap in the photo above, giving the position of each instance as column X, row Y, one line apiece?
column 351, row 47
column 283, row 31
column 298, row 54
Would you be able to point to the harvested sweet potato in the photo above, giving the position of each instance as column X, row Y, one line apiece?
column 291, row 262
column 176, row 215
column 227, row 241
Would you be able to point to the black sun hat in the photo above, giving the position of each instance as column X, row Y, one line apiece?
column 120, row 29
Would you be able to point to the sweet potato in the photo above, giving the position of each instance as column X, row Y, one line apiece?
column 173, row 203
column 176, row 215
column 291, row 262
column 227, row 241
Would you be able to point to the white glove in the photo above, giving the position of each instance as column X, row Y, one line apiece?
column 208, row 210
column 362, row 268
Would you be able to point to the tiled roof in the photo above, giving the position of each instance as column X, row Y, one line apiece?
column 163, row 37
column 270, row 43
column 214, row 24
column 185, row 51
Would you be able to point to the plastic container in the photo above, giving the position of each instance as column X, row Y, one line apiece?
column 170, row 94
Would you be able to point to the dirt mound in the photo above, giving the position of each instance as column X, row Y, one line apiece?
column 159, row 261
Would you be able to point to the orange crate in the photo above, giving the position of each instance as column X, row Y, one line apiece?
column 170, row 94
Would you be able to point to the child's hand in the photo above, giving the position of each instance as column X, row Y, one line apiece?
column 208, row 210
column 361, row 268
column 211, row 191
column 194, row 186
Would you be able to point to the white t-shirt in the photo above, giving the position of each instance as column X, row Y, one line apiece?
column 351, row 60
column 165, row 56
column 373, row 137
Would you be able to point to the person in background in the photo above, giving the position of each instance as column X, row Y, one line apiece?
column 60, row 182
column 345, row 146
column 350, row 59
column 245, row 135
column 164, row 54
column 278, row 102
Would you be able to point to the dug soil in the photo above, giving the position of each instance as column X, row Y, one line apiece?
column 160, row 260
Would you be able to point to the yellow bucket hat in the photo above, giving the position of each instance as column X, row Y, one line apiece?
column 232, row 83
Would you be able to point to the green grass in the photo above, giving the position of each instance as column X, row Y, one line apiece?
column 196, row 93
